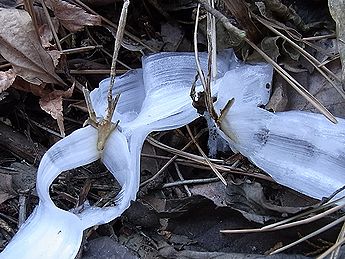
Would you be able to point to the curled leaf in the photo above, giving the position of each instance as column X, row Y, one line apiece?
column 72, row 17
column 19, row 45
column 52, row 104
column 6, row 79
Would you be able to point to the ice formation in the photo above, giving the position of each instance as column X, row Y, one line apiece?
column 300, row 150
column 154, row 98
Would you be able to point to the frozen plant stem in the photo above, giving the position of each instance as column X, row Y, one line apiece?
column 206, row 82
column 106, row 126
column 289, row 79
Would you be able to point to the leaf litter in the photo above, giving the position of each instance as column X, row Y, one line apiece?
column 42, row 75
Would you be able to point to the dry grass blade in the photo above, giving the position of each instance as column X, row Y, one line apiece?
column 51, row 26
column 293, row 82
column 275, row 227
column 332, row 248
column 29, row 7
column 118, row 39
column 172, row 159
column 308, row 57
column 304, row 214
column 317, row 232
column 341, row 235
column 128, row 34
column 206, row 83
column 196, row 53
column 201, row 162
column 214, row 169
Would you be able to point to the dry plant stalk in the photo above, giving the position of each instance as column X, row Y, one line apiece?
column 214, row 169
column 106, row 126
column 128, row 34
column 293, row 82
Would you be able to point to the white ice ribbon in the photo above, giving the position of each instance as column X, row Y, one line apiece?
column 300, row 150
column 152, row 99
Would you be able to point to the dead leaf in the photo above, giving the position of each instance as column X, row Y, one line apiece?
column 52, row 104
column 249, row 199
column 279, row 99
column 172, row 36
column 270, row 47
column 72, row 17
column 55, row 55
column 336, row 8
column 216, row 192
column 19, row 45
column 6, row 79
column 318, row 86
column 6, row 189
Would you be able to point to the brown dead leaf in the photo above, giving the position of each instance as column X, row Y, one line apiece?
column 55, row 55
column 318, row 86
column 52, row 104
column 216, row 192
column 336, row 8
column 72, row 17
column 20, row 46
column 6, row 79
column 6, row 188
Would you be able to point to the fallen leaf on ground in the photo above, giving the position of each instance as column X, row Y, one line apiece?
column 6, row 189
column 52, row 104
column 6, row 79
column 318, row 86
column 72, row 17
column 336, row 8
column 19, row 45
column 216, row 192
column 249, row 199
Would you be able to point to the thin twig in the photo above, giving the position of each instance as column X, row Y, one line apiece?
column 292, row 81
column 212, row 42
column 227, row 24
column 128, row 34
column 296, row 85
column 192, row 181
column 79, row 50
column 94, row 71
column 307, row 56
column 196, row 53
column 289, row 225
column 315, row 233
column 118, row 40
column 50, row 23
column 320, row 37
column 8, row 65
column 341, row 235
column 206, row 83
column 332, row 248
column 172, row 159
column 201, row 160
column 182, row 179
column 214, row 169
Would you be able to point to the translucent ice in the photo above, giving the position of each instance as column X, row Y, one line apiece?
column 152, row 99
column 301, row 150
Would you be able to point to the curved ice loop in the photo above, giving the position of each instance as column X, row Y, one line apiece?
column 148, row 103
column 300, row 150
